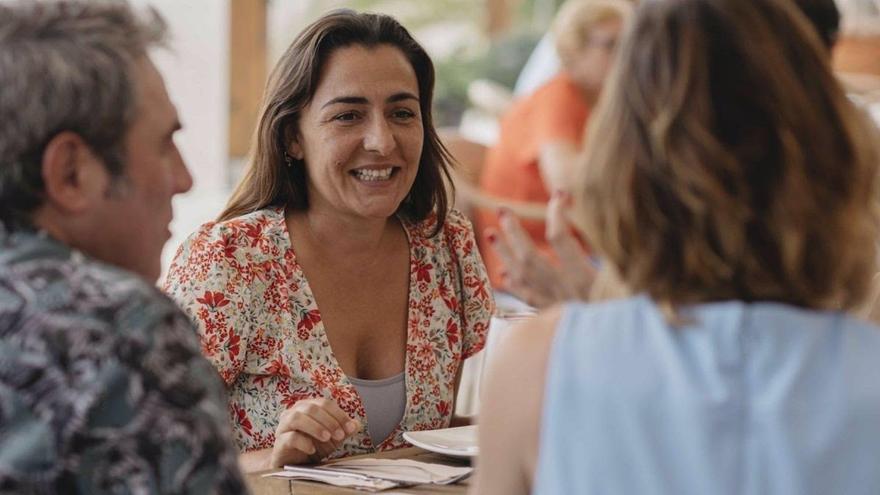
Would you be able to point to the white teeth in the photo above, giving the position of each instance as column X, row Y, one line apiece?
column 374, row 174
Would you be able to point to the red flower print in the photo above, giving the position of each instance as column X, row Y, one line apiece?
column 241, row 419
column 260, row 380
column 213, row 299
column 479, row 286
column 277, row 367
column 233, row 346
column 423, row 272
column 443, row 408
column 210, row 345
column 450, row 300
column 290, row 399
column 254, row 232
column 320, row 377
column 307, row 322
column 305, row 364
column 228, row 248
column 452, row 332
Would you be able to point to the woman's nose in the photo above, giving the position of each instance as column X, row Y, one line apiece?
column 379, row 138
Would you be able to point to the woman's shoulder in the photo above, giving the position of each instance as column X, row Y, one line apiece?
column 455, row 225
column 241, row 241
column 244, row 231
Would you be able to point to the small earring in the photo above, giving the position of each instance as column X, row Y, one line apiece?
column 288, row 160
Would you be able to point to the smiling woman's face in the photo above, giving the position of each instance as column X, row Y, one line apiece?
column 361, row 135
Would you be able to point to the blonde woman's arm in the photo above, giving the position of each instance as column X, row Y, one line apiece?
column 510, row 412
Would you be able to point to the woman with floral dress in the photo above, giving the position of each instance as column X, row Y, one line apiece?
column 337, row 294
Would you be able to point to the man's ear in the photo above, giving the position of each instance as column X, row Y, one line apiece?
column 73, row 177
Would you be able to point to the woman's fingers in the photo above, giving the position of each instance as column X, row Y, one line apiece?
column 575, row 267
column 292, row 447
column 520, row 244
column 528, row 274
column 501, row 246
column 311, row 430
column 321, row 418
column 304, row 422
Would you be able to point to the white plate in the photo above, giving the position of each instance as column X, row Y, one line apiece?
column 455, row 442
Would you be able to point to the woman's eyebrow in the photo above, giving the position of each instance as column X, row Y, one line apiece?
column 360, row 100
column 357, row 100
column 401, row 96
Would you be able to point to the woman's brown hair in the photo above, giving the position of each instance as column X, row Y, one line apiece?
column 725, row 162
column 292, row 84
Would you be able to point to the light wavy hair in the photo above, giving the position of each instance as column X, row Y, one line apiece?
column 725, row 162
column 576, row 18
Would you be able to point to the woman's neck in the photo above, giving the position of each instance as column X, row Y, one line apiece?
column 341, row 235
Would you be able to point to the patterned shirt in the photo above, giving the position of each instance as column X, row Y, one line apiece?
column 102, row 388
column 261, row 328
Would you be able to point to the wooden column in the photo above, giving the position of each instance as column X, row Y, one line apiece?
column 247, row 71
column 498, row 16
column 859, row 55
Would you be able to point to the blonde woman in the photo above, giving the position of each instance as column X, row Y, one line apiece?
column 541, row 134
column 730, row 183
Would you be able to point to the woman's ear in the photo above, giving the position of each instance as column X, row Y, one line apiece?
column 295, row 150
column 73, row 176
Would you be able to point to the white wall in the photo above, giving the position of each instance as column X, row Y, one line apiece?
column 196, row 73
column 195, row 68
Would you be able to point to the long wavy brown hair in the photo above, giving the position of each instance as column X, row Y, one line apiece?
column 725, row 162
column 292, row 84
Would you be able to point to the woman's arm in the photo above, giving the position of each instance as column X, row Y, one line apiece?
column 510, row 413
column 555, row 162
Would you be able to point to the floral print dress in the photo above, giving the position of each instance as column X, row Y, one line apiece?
column 261, row 328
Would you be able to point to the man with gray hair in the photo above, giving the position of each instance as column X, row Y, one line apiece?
column 102, row 385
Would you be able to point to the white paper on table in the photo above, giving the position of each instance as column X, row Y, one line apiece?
column 405, row 471
column 363, row 483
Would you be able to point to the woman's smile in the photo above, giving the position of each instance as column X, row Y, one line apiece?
column 375, row 175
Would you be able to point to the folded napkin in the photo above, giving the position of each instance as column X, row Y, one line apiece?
column 377, row 474
column 346, row 480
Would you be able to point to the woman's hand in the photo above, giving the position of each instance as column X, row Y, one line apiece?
column 310, row 431
column 532, row 276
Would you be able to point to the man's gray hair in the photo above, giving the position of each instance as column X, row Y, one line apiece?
column 65, row 66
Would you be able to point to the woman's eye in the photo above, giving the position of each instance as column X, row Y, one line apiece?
column 403, row 114
column 346, row 117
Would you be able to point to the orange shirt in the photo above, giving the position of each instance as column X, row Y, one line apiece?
column 555, row 112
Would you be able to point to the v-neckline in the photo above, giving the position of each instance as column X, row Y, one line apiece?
column 321, row 333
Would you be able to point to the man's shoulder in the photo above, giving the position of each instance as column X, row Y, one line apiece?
column 62, row 287
column 92, row 359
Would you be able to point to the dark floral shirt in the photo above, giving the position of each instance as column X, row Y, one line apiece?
column 102, row 385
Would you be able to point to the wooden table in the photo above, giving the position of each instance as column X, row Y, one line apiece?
column 278, row 486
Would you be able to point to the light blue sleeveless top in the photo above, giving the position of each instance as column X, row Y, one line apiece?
column 749, row 399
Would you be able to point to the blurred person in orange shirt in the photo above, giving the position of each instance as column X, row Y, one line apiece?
column 542, row 134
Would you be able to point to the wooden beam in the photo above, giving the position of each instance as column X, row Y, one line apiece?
column 499, row 16
column 247, row 71
column 858, row 54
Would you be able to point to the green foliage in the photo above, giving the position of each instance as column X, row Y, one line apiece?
column 501, row 63
column 417, row 14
